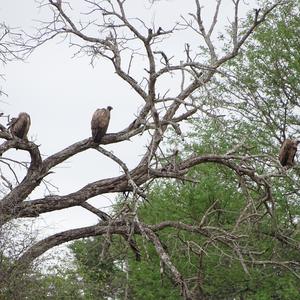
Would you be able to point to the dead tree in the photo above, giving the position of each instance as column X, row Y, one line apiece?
column 118, row 33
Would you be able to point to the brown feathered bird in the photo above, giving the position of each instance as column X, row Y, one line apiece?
column 287, row 152
column 99, row 123
column 19, row 126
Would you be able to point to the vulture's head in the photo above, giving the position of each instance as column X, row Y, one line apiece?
column 109, row 108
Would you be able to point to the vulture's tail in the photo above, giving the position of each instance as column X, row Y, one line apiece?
column 97, row 136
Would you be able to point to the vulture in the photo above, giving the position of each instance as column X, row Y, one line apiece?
column 19, row 126
column 287, row 152
column 99, row 123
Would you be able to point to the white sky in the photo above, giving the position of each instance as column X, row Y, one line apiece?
column 61, row 93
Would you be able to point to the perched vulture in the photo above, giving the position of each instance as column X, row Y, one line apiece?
column 287, row 152
column 100, row 123
column 19, row 126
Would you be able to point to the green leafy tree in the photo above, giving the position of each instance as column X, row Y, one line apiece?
column 101, row 271
column 261, row 85
column 208, row 259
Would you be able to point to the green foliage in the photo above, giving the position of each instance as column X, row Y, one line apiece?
column 221, row 273
column 261, row 86
column 61, row 285
column 31, row 284
column 101, row 267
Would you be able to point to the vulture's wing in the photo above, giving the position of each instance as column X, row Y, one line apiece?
column 284, row 153
column 21, row 126
column 99, row 123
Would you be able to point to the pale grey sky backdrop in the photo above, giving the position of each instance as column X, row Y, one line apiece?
column 61, row 93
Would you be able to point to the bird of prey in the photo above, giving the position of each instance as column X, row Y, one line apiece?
column 99, row 123
column 287, row 152
column 19, row 126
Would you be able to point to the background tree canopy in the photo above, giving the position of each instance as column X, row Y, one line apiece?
column 208, row 212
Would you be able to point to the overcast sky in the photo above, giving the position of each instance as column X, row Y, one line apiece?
column 61, row 93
